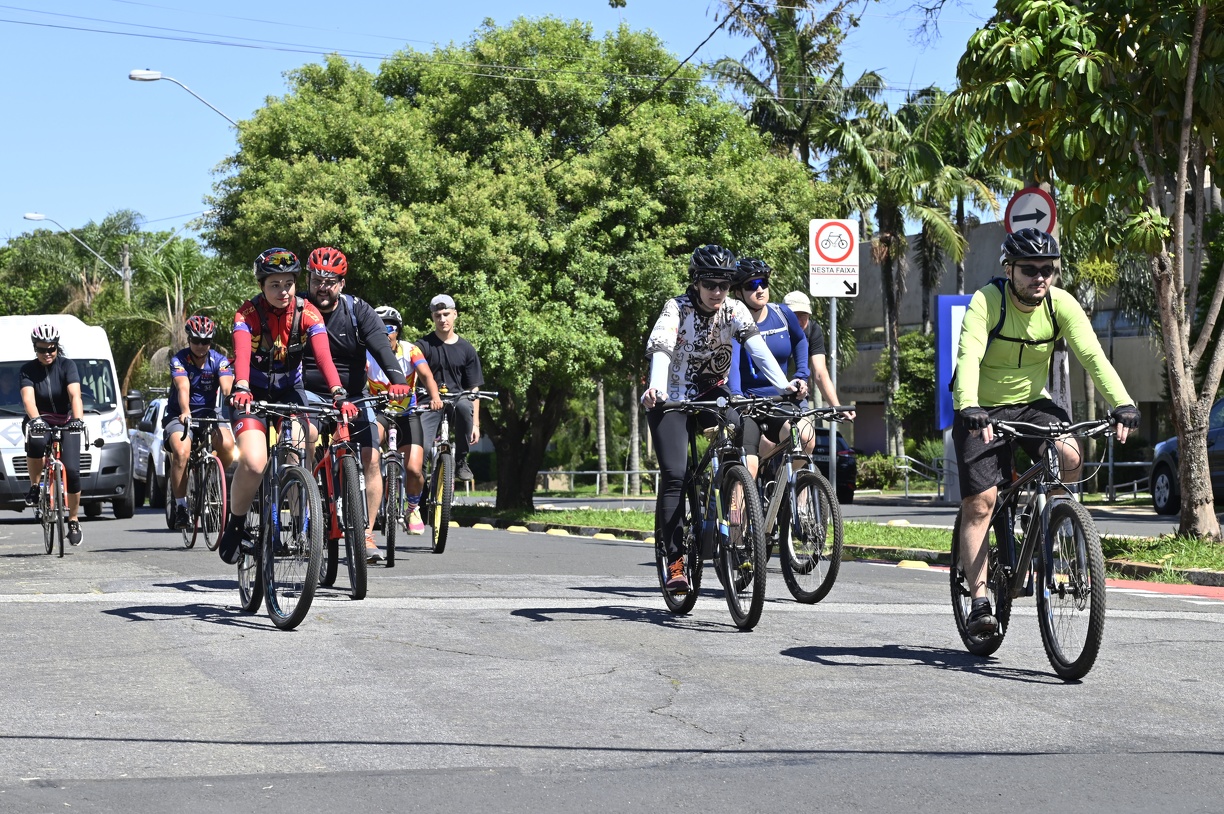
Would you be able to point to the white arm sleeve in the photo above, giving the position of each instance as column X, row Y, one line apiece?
column 765, row 362
column 659, row 362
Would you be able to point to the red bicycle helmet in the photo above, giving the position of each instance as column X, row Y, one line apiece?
column 200, row 327
column 328, row 261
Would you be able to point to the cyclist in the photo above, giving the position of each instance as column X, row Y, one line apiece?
column 456, row 367
column 690, row 358
column 51, row 396
column 799, row 303
column 1002, row 365
column 271, row 332
column 408, row 427
column 786, row 342
column 352, row 328
column 197, row 372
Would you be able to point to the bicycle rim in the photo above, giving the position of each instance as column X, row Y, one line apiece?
column 996, row 586
column 811, row 538
column 293, row 550
column 392, row 507
column 193, row 518
column 442, row 492
column 1072, row 609
column 742, row 551
column 680, row 602
column 215, row 503
column 58, row 509
column 44, row 513
column 250, row 579
column 353, row 521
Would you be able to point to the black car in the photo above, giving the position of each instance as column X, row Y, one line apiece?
column 1163, row 478
column 847, row 464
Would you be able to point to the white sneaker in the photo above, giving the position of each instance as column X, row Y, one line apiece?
column 413, row 523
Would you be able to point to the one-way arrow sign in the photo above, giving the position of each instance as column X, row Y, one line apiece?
column 1031, row 206
column 1035, row 216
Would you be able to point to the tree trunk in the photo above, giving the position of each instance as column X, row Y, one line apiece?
column 521, row 433
column 601, row 439
column 896, row 438
column 961, row 228
column 635, row 440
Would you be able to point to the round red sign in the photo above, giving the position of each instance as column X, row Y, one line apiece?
column 833, row 242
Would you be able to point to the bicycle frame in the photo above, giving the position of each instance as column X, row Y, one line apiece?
column 720, row 450
column 325, row 470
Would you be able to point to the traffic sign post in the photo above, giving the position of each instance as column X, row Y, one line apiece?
column 833, row 271
column 1030, row 207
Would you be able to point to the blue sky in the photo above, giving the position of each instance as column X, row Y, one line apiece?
column 83, row 140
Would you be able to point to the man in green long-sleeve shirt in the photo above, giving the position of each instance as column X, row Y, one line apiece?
column 1001, row 370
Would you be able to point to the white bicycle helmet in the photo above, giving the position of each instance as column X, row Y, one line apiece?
column 45, row 333
column 390, row 316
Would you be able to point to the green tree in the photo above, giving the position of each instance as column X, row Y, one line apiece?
column 914, row 403
column 556, row 200
column 1125, row 100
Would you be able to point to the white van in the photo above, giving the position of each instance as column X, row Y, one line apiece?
column 106, row 471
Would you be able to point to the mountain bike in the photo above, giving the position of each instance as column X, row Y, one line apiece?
column 341, row 484
column 285, row 522
column 722, row 520
column 1040, row 540
column 440, row 469
column 52, row 507
column 207, row 502
column 802, row 519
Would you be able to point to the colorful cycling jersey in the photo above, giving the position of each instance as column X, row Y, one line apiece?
column 785, row 338
column 203, row 382
column 272, row 369
column 409, row 357
column 698, row 344
column 1015, row 367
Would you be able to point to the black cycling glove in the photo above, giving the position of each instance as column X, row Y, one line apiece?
column 975, row 418
column 76, row 425
column 37, row 426
column 1127, row 415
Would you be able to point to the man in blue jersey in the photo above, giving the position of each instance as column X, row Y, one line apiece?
column 197, row 374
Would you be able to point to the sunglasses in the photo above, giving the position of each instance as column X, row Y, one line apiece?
column 391, row 328
column 754, row 285
column 198, row 341
column 330, row 281
column 46, row 349
column 1038, row 271
column 710, row 285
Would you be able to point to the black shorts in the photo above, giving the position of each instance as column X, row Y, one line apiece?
column 407, row 429
column 754, row 428
column 982, row 466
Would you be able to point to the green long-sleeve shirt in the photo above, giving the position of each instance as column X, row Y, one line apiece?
column 1014, row 372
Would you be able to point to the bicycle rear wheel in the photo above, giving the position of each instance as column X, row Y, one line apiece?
column 1071, row 597
column 811, row 539
column 215, row 503
column 997, row 588
column 250, row 573
column 680, row 602
column 441, row 493
column 193, row 514
column 741, row 554
column 392, row 508
column 353, row 521
column 293, row 549
column 45, row 516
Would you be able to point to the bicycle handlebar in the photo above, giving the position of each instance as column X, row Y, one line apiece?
column 1056, row 429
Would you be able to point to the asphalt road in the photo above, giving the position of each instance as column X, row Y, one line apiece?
column 529, row 672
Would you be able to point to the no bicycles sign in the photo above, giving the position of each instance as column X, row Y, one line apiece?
column 833, row 265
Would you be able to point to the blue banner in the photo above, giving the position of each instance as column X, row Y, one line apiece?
column 949, row 314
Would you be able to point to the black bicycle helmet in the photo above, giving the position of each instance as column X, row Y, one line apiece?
column 711, row 262
column 1028, row 244
column 276, row 261
column 750, row 268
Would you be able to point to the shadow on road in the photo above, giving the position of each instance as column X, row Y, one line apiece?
column 201, row 586
column 939, row 657
column 655, row 616
column 214, row 614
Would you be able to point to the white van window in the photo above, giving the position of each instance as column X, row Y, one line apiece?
column 97, row 385
column 10, row 388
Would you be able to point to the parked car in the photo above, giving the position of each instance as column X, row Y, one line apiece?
column 1162, row 477
column 148, row 456
column 847, row 464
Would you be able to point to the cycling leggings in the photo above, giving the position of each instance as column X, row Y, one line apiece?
column 70, row 454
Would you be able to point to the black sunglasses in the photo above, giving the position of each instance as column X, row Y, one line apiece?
column 1035, row 271
column 46, row 349
column 716, row 285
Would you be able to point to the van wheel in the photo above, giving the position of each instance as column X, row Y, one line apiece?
column 125, row 506
column 1165, row 497
column 154, row 488
column 92, row 509
column 138, row 493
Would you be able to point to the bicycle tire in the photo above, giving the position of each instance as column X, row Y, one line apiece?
column 330, row 565
column 742, row 552
column 682, row 602
column 59, row 508
column 996, row 586
column 250, row 571
column 441, row 493
column 216, row 502
column 353, row 522
column 193, row 518
column 168, row 503
column 293, row 549
column 811, row 563
column 44, row 511
column 392, row 508
column 1072, row 641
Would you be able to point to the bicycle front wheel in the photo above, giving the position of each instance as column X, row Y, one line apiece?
column 193, row 504
column 392, row 508
column 742, row 551
column 1071, row 598
column 997, row 588
column 214, row 503
column 58, row 507
column 293, row 551
column 441, row 494
column 250, row 581
column 811, row 538
column 353, row 521
column 681, row 602
column 45, row 515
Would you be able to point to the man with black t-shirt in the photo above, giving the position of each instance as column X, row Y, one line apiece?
column 456, row 368
column 352, row 328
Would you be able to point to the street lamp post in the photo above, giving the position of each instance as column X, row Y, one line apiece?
column 125, row 275
column 139, row 75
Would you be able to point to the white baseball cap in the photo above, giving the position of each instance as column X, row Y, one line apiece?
column 798, row 302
